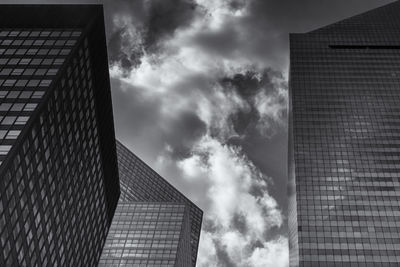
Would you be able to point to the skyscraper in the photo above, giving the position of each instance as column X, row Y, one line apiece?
column 59, row 182
column 344, row 145
column 155, row 224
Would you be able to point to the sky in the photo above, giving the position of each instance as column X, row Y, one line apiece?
column 199, row 92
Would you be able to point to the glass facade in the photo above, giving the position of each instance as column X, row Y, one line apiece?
column 29, row 61
column 148, row 234
column 344, row 142
column 55, row 188
column 139, row 183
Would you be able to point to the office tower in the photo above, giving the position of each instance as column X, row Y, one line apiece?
column 345, row 142
column 148, row 234
column 59, row 182
column 155, row 224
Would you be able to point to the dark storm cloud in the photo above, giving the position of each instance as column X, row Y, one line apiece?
column 152, row 21
column 223, row 42
column 236, row 4
column 257, row 191
column 239, row 223
column 248, row 86
column 138, row 115
column 183, row 133
column 223, row 257
column 209, row 226
column 165, row 16
column 127, row 58
column 244, row 120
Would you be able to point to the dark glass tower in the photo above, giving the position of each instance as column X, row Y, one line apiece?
column 155, row 224
column 345, row 142
column 59, row 182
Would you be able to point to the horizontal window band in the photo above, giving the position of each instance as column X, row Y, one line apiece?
column 364, row 46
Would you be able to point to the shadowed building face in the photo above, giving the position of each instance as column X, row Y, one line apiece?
column 59, row 178
column 344, row 142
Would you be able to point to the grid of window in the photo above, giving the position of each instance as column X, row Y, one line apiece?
column 140, row 183
column 344, row 89
column 29, row 61
column 147, row 234
column 53, row 209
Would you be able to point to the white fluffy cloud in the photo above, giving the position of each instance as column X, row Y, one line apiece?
column 273, row 253
column 232, row 179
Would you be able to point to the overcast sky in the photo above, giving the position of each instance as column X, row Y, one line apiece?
column 200, row 94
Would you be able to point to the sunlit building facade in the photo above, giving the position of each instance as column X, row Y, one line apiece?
column 345, row 142
column 148, row 234
column 155, row 224
column 59, row 182
column 344, row 155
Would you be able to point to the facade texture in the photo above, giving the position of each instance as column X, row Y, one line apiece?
column 59, row 176
column 148, row 234
column 171, row 213
column 344, row 155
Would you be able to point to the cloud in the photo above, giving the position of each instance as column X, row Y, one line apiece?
column 272, row 253
column 265, row 95
column 231, row 177
column 137, row 27
column 200, row 93
column 237, row 221
column 165, row 16
column 142, row 119
column 180, row 105
column 125, row 48
column 190, row 128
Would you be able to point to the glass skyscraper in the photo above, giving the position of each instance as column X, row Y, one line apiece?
column 59, row 182
column 155, row 224
column 344, row 142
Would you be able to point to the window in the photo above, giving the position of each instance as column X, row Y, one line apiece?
column 30, row 107
column 40, row 72
column 52, row 72
column 5, row 71
column 5, row 106
column 17, row 107
column 9, row 82
column 4, row 149
column 38, row 94
column 33, row 83
column 13, row 61
column 13, row 94
column 21, row 120
column 28, row 42
column 21, row 82
column 8, row 120
column 28, row 72
column 26, row 94
column 45, row 82
column 13, row 134
column 17, row 71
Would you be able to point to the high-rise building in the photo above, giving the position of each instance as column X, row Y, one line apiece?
column 59, row 182
column 155, row 224
column 344, row 145
column 148, row 234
